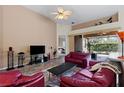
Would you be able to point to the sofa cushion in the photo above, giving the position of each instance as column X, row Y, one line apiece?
column 74, row 60
column 76, row 82
column 80, row 77
column 86, row 73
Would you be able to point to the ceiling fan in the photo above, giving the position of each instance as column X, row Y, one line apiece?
column 62, row 14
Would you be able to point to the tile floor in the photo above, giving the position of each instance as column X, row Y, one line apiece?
column 31, row 69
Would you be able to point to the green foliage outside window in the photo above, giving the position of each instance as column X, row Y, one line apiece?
column 104, row 47
column 103, row 44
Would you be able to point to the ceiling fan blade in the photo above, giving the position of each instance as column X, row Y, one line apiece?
column 60, row 9
column 67, row 12
column 62, row 14
column 55, row 13
column 65, row 17
column 56, row 17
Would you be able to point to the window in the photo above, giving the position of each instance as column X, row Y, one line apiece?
column 103, row 44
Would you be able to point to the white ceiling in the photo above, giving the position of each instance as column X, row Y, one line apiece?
column 80, row 13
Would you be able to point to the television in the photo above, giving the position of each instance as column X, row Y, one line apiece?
column 37, row 49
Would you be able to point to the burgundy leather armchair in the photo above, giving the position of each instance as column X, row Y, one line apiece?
column 85, row 78
column 79, row 58
column 15, row 78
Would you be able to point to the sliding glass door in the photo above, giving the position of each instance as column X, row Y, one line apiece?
column 104, row 45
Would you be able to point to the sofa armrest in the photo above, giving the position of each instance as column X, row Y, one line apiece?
column 87, row 56
column 15, row 73
column 24, row 80
column 36, row 83
column 84, row 62
column 67, row 56
column 78, row 83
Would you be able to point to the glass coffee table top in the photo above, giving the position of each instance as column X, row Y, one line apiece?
column 58, row 70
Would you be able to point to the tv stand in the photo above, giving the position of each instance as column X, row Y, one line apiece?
column 34, row 59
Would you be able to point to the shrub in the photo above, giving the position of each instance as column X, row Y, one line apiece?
column 111, row 47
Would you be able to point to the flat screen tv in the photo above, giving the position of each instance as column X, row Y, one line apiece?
column 37, row 49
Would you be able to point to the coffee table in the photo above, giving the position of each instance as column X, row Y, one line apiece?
column 59, row 70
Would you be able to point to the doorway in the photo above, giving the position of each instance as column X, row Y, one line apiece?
column 78, row 43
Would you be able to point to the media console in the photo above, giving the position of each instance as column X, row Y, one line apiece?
column 37, row 54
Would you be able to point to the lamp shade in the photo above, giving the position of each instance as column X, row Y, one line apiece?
column 121, row 35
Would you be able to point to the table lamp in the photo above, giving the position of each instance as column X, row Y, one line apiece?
column 121, row 35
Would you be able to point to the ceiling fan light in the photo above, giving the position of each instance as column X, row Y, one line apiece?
column 60, row 17
column 62, row 14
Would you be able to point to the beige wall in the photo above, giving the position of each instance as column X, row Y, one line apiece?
column 23, row 27
column 1, row 34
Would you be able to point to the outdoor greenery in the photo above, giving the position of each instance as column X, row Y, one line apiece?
column 104, row 47
column 103, row 44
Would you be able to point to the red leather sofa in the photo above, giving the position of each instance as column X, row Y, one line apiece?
column 15, row 78
column 86, row 78
column 79, row 58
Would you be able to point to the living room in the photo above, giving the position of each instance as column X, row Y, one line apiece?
column 50, row 55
